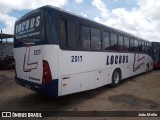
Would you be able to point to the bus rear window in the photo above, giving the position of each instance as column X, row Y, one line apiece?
column 28, row 30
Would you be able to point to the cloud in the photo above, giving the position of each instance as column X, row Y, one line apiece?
column 7, row 6
column 142, row 21
column 83, row 14
column 150, row 8
column 100, row 5
column 8, row 22
column 79, row 1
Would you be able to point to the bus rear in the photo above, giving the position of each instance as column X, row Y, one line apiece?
column 32, row 67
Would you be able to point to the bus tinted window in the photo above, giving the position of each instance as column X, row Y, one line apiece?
column 120, row 43
column 71, row 29
column 114, row 43
column 131, row 45
column 140, row 46
column 143, row 46
column 155, row 51
column 136, row 45
column 106, row 41
column 68, row 33
column 95, row 39
column 126, row 43
column 63, row 32
column 29, row 30
column 85, row 37
column 148, row 49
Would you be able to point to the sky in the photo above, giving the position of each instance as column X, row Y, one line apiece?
column 138, row 17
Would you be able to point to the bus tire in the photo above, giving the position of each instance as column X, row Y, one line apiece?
column 116, row 78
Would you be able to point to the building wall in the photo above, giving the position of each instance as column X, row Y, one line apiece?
column 6, row 49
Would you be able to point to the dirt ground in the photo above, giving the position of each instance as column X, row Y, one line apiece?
column 139, row 93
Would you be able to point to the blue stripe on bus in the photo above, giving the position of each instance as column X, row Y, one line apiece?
column 49, row 89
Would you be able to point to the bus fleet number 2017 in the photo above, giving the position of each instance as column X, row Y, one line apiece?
column 76, row 58
column 37, row 52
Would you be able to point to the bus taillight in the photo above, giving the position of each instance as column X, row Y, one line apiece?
column 46, row 72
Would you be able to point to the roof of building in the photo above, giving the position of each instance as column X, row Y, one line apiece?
column 3, row 36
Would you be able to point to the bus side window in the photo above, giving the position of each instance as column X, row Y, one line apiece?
column 149, row 51
column 68, row 34
column 126, row 43
column 95, row 39
column 131, row 45
column 85, row 37
column 136, row 46
column 143, row 46
column 120, row 43
column 71, row 29
column 106, row 41
column 140, row 46
column 114, row 42
column 63, row 32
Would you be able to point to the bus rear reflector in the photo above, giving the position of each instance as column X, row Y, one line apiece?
column 46, row 72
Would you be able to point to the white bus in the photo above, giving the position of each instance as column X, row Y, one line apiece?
column 59, row 53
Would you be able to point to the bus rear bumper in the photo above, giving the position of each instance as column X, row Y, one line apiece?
column 49, row 89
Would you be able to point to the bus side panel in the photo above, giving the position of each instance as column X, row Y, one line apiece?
column 94, row 66
column 78, row 82
column 99, row 78
column 100, row 64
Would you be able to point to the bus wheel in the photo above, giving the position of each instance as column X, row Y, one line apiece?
column 116, row 77
column 147, row 68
